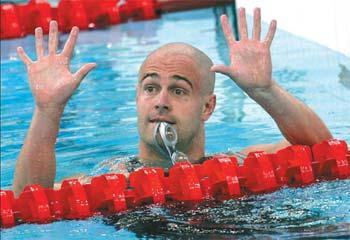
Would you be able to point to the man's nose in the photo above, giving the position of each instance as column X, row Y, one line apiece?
column 163, row 103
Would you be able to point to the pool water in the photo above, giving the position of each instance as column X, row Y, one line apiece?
column 99, row 123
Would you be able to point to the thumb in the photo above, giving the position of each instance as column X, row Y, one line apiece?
column 221, row 68
column 83, row 71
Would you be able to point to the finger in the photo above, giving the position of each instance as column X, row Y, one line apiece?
column 226, row 28
column 53, row 37
column 39, row 42
column 271, row 33
column 69, row 46
column 23, row 56
column 257, row 24
column 242, row 24
column 83, row 71
column 221, row 68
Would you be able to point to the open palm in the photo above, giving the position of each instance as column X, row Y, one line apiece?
column 50, row 78
column 250, row 59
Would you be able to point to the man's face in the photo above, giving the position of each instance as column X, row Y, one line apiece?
column 169, row 90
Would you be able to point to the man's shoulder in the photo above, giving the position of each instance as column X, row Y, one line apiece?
column 269, row 148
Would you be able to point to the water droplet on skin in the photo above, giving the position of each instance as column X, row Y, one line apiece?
column 38, row 86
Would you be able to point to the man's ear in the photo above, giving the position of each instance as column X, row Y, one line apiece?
column 208, row 107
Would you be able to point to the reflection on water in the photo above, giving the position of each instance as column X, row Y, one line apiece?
column 286, row 213
column 99, row 123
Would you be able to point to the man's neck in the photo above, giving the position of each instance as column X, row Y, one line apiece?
column 151, row 158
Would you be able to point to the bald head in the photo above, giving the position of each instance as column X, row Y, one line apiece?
column 202, row 61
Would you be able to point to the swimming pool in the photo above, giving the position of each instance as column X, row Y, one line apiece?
column 100, row 123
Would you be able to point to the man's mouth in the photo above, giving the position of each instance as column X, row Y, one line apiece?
column 161, row 119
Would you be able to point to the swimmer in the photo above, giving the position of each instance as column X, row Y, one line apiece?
column 175, row 86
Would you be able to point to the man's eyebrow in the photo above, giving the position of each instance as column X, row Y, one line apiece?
column 175, row 77
column 151, row 74
column 178, row 77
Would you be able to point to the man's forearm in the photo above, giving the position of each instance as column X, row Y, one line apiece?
column 297, row 122
column 36, row 162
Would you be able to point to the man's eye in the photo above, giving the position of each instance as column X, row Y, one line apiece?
column 179, row 91
column 149, row 89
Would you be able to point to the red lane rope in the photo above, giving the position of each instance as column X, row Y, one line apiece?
column 220, row 177
column 19, row 20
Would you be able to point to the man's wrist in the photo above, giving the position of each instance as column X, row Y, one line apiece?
column 51, row 112
column 263, row 92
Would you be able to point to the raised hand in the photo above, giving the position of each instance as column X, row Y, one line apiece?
column 50, row 78
column 250, row 60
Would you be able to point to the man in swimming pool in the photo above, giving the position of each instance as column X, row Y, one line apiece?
column 175, row 85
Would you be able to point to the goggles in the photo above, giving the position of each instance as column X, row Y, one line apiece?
column 165, row 138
